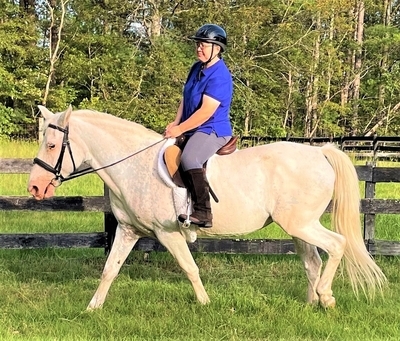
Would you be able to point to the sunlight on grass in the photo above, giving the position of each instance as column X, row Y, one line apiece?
column 44, row 292
column 253, row 297
column 50, row 222
column 387, row 190
column 87, row 185
column 18, row 149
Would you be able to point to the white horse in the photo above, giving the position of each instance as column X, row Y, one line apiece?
column 291, row 184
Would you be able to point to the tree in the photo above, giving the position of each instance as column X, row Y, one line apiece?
column 19, row 85
column 299, row 68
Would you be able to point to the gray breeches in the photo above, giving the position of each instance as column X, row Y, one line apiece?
column 199, row 148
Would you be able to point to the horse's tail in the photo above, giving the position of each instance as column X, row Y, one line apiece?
column 364, row 273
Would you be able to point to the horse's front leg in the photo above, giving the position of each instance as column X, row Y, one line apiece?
column 177, row 246
column 125, row 240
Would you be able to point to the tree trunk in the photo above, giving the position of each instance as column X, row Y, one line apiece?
column 345, row 92
column 357, row 67
column 54, row 45
column 329, row 70
column 385, row 52
column 247, row 116
column 383, row 64
column 288, row 103
column 28, row 7
column 311, row 121
column 153, row 26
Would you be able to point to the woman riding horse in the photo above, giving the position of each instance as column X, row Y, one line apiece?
column 203, row 117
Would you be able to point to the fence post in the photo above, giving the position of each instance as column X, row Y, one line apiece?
column 40, row 129
column 369, row 219
column 110, row 224
column 375, row 148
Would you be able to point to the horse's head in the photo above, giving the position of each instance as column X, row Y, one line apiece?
column 55, row 160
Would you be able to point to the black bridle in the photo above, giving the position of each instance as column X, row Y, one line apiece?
column 56, row 170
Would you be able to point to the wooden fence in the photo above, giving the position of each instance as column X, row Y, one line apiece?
column 370, row 207
column 373, row 147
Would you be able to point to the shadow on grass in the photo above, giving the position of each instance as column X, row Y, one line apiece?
column 271, row 276
column 63, row 265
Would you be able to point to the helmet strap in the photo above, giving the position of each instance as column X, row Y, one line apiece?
column 211, row 57
column 204, row 65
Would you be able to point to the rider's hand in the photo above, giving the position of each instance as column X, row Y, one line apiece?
column 173, row 131
column 169, row 126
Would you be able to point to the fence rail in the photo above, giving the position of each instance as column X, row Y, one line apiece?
column 374, row 147
column 370, row 206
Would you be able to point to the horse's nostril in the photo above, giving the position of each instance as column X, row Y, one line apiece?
column 33, row 190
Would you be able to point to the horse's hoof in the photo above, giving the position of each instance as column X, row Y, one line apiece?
column 313, row 298
column 93, row 305
column 327, row 301
column 204, row 300
column 313, row 302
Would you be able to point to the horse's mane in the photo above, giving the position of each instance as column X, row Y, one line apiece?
column 109, row 122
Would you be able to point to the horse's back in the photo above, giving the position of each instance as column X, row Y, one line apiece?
column 266, row 181
column 273, row 160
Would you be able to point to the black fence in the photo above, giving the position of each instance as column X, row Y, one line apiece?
column 370, row 207
column 365, row 147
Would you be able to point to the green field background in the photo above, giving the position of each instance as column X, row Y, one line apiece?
column 44, row 292
column 387, row 225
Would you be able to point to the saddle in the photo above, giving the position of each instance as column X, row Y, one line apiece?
column 172, row 157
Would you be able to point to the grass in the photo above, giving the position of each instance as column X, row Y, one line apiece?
column 44, row 292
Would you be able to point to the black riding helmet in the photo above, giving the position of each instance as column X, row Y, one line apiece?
column 211, row 33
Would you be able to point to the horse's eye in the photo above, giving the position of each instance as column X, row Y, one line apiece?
column 51, row 146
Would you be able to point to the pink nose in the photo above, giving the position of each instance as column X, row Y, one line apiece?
column 40, row 189
column 34, row 190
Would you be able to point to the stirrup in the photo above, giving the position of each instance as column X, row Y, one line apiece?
column 206, row 224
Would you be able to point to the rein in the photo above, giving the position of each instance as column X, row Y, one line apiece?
column 56, row 170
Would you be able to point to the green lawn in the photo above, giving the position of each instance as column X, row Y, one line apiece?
column 44, row 292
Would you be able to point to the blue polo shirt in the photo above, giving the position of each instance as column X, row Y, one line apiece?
column 215, row 82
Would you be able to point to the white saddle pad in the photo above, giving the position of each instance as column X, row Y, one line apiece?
column 179, row 194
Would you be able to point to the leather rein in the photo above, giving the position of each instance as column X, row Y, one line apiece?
column 56, row 170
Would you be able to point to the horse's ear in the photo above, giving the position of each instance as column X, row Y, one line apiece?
column 64, row 118
column 46, row 113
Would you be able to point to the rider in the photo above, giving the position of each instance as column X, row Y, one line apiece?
column 203, row 117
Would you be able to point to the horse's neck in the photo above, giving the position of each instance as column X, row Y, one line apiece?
column 107, row 137
column 107, row 140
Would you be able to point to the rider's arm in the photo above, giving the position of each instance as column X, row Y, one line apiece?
column 207, row 109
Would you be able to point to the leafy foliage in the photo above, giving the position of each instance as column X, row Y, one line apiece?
column 292, row 63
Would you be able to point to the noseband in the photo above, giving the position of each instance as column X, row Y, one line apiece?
column 56, row 170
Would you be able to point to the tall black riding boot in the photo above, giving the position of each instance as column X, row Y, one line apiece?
column 200, row 193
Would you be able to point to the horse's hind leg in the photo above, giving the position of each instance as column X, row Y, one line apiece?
column 177, row 246
column 312, row 265
column 124, row 241
column 315, row 234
